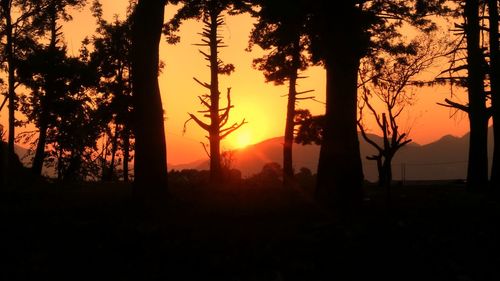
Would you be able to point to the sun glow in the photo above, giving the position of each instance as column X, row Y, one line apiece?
column 243, row 139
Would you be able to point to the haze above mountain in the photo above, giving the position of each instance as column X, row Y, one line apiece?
column 443, row 159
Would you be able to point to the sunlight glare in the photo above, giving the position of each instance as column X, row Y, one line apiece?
column 243, row 139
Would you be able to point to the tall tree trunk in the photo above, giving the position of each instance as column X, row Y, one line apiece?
column 214, row 133
column 495, row 90
column 380, row 170
column 126, row 153
column 477, row 171
column 387, row 168
column 288, row 174
column 340, row 174
column 289, row 127
column 150, row 167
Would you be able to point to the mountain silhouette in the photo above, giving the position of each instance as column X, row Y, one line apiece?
column 443, row 159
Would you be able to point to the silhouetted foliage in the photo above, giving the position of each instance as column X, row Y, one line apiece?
column 110, row 55
column 188, row 178
column 306, row 180
column 310, row 128
column 281, row 31
column 270, row 176
column 67, row 113
column 48, row 72
column 19, row 29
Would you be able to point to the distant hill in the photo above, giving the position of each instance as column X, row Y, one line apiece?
column 443, row 159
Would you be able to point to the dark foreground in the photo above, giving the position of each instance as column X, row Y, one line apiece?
column 94, row 233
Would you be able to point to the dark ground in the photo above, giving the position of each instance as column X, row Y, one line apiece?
column 91, row 232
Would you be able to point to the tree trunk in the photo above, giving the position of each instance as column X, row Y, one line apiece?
column 477, row 171
column 340, row 174
column 289, row 127
column 288, row 174
column 387, row 170
column 380, row 170
column 214, row 134
column 150, row 146
column 126, row 153
column 495, row 91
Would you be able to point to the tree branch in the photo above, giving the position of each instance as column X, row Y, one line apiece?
column 231, row 129
column 456, row 105
column 206, row 85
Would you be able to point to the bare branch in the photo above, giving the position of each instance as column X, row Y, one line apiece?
column 304, row 92
column 206, row 149
column 200, row 123
column 206, row 85
column 204, row 102
column 231, row 129
column 456, row 105
column 306, row 98
column 3, row 103
column 225, row 116
column 367, row 139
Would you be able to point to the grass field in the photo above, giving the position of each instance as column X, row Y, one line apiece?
column 94, row 232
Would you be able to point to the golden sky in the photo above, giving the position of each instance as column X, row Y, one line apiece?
column 261, row 104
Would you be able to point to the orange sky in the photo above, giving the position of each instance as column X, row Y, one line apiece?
column 260, row 103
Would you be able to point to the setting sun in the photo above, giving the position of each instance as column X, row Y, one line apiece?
column 242, row 140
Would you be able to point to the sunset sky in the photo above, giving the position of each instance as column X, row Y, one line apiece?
column 261, row 104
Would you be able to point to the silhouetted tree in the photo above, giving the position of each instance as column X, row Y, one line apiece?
column 111, row 58
column 18, row 30
column 67, row 112
column 211, row 13
column 305, row 179
column 476, row 108
column 271, row 175
column 281, row 30
column 53, row 12
column 341, row 35
column 150, row 165
column 392, row 79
